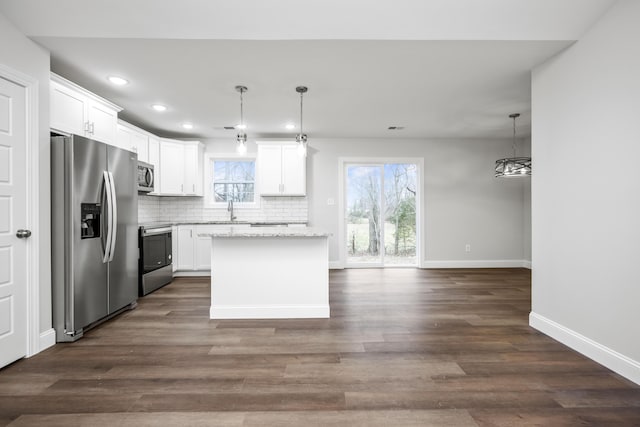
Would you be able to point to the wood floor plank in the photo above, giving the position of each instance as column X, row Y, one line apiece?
column 403, row 347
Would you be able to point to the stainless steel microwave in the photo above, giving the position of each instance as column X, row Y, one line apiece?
column 145, row 177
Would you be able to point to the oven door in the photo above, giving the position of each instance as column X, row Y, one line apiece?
column 156, row 249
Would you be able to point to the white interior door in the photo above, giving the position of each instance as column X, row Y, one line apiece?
column 13, row 214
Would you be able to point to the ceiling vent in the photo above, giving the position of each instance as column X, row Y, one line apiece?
column 395, row 127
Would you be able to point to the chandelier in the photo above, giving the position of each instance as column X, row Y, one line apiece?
column 513, row 166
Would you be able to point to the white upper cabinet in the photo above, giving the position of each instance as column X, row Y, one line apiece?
column 171, row 176
column 281, row 170
column 294, row 171
column 78, row 111
column 181, row 167
column 133, row 139
column 193, row 168
column 269, row 169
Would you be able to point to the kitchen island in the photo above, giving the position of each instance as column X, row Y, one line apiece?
column 269, row 273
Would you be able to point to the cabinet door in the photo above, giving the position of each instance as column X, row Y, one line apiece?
column 203, row 250
column 185, row 248
column 174, row 248
column 103, row 123
column 270, row 169
column 67, row 110
column 139, row 144
column 123, row 138
column 294, row 177
column 172, row 168
column 191, row 168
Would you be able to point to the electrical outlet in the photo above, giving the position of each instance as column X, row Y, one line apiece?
column 467, row 247
column 331, row 201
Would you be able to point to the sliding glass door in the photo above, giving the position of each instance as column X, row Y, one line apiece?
column 380, row 214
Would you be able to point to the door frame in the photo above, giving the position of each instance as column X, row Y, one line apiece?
column 32, row 166
column 342, row 162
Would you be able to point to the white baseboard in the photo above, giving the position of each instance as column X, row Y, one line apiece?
column 336, row 265
column 613, row 360
column 47, row 339
column 507, row 263
column 269, row 312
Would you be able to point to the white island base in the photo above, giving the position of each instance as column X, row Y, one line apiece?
column 263, row 274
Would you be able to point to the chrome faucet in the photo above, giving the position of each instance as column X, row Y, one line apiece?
column 230, row 209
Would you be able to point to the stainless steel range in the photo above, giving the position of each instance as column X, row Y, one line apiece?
column 155, row 265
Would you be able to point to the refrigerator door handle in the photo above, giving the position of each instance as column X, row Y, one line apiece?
column 107, row 187
column 114, row 220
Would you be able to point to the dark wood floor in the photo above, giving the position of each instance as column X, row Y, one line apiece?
column 403, row 347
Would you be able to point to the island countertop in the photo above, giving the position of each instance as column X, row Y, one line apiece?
column 266, row 232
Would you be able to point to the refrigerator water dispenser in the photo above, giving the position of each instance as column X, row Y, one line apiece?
column 89, row 220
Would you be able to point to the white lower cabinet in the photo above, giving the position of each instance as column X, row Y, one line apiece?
column 203, row 251
column 174, row 247
column 193, row 253
column 185, row 248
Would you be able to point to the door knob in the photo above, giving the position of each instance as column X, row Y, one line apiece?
column 23, row 234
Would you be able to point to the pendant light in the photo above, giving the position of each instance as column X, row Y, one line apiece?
column 241, row 139
column 301, row 138
column 513, row 166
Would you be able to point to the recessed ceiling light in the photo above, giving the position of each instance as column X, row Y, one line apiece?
column 187, row 125
column 119, row 81
column 290, row 126
column 241, row 126
column 159, row 107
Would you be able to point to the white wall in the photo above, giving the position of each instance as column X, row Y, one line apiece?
column 586, row 193
column 463, row 201
column 21, row 54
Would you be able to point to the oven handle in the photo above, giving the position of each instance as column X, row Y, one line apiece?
column 156, row 231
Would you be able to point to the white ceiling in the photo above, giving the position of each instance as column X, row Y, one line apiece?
column 440, row 68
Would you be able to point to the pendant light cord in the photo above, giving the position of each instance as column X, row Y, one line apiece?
column 514, row 116
column 241, row 111
column 301, row 131
column 514, row 136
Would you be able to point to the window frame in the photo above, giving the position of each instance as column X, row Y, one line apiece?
column 210, row 159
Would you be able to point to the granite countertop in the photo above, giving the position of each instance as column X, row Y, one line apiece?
column 267, row 232
column 156, row 224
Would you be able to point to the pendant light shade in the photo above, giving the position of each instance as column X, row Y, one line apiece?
column 301, row 138
column 241, row 138
column 513, row 166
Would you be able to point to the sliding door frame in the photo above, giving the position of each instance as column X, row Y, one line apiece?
column 342, row 194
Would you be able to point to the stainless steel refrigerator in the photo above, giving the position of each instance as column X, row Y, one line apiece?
column 94, row 203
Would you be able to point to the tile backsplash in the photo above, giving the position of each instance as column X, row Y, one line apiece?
column 175, row 209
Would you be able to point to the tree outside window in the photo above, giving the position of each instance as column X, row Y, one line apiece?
column 234, row 180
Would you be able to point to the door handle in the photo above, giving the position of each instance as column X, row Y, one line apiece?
column 23, row 234
column 109, row 222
